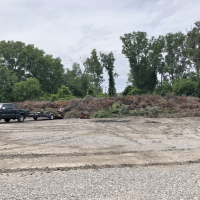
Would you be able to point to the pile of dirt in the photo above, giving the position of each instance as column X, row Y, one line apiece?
column 171, row 105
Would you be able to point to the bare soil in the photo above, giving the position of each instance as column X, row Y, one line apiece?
column 65, row 144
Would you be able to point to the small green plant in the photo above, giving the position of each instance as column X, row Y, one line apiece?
column 153, row 111
column 148, row 111
column 102, row 114
column 115, row 108
column 139, row 112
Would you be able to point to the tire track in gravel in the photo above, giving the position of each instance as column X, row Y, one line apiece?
column 97, row 167
column 114, row 130
column 8, row 156
column 95, row 158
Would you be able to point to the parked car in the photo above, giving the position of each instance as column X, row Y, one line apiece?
column 8, row 112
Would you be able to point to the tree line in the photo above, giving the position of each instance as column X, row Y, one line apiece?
column 28, row 73
column 175, row 57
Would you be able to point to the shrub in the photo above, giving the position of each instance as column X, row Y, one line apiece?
column 135, row 91
column 127, row 90
column 183, row 87
column 163, row 89
column 102, row 114
column 116, row 110
column 148, row 111
column 27, row 90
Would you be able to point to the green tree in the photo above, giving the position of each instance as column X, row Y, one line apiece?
column 156, row 55
column 27, row 90
column 193, row 47
column 108, row 62
column 175, row 55
column 7, row 80
column 27, row 61
column 94, row 67
column 136, row 48
column 11, row 56
column 73, row 79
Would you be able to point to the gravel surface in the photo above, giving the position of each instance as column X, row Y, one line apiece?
column 123, row 158
column 176, row 182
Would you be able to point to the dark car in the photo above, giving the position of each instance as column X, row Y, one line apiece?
column 8, row 112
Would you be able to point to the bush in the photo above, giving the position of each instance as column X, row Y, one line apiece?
column 148, row 111
column 197, row 89
column 163, row 89
column 116, row 110
column 121, row 110
column 63, row 92
column 131, row 90
column 102, row 114
column 184, row 87
column 127, row 90
column 27, row 90
column 135, row 91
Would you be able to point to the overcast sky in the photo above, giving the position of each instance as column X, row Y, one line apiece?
column 70, row 29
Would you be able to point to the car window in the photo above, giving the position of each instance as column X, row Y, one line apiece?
column 6, row 106
column 11, row 107
column 1, row 105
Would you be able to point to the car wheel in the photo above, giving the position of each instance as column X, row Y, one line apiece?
column 21, row 118
column 35, row 118
column 51, row 117
column 6, row 120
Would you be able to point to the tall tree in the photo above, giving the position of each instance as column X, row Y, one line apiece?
column 7, row 81
column 175, row 55
column 27, row 61
column 193, row 45
column 94, row 67
column 11, row 53
column 108, row 62
column 157, row 46
column 73, row 80
column 136, row 49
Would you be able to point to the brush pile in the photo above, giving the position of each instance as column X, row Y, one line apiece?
column 171, row 105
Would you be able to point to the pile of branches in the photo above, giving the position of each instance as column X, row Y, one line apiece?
column 169, row 104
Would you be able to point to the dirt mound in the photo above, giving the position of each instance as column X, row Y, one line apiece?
column 172, row 105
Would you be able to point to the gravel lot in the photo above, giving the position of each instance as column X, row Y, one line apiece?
column 123, row 158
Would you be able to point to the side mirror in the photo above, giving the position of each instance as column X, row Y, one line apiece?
column 3, row 108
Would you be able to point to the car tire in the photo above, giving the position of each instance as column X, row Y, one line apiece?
column 21, row 118
column 51, row 117
column 7, row 120
column 35, row 118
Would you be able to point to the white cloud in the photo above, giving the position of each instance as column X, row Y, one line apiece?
column 71, row 29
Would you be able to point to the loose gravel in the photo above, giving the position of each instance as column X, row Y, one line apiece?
column 129, row 158
column 176, row 182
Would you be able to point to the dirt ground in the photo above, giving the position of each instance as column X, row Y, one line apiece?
column 67, row 144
